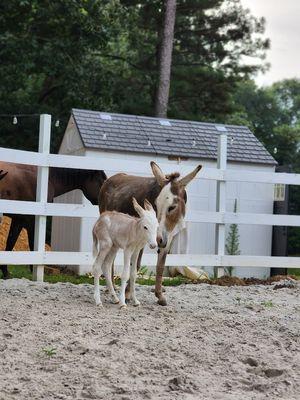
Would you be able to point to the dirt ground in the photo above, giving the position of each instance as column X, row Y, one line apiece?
column 209, row 343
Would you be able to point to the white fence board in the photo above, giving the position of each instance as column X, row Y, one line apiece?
column 64, row 161
column 196, row 260
column 262, row 177
column 90, row 211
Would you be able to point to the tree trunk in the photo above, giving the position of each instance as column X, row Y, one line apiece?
column 165, row 61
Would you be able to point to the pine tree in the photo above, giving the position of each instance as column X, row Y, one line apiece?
column 232, row 241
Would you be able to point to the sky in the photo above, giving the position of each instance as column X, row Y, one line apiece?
column 283, row 28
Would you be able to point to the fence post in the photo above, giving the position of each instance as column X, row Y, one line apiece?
column 42, row 194
column 221, row 197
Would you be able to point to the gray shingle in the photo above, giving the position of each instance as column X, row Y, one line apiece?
column 130, row 133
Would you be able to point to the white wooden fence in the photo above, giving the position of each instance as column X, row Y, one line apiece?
column 41, row 209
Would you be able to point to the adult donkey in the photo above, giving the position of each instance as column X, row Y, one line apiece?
column 167, row 195
column 20, row 184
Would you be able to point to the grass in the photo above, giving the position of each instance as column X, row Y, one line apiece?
column 267, row 303
column 49, row 351
column 295, row 272
column 24, row 272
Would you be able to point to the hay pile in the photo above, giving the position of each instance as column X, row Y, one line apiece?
column 22, row 242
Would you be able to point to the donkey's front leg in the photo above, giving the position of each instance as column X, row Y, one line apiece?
column 161, row 260
column 133, row 273
column 125, row 276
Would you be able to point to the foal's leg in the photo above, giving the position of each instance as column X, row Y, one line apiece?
column 138, row 266
column 133, row 274
column 104, row 250
column 106, row 268
column 125, row 276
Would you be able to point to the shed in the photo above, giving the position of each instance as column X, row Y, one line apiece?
column 173, row 142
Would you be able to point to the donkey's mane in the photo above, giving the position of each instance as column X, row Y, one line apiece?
column 71, row 175
column 173, row 176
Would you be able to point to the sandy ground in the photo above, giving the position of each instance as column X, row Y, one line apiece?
column 209, row 343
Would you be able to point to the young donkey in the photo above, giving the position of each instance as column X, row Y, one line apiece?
column 115, row 230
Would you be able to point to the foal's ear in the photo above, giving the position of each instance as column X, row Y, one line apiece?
column 157, row 172
column 148, row 205
column 189, row 177
column 137, row 207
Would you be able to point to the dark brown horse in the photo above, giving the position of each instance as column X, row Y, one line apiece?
column 20, row 184
column 2, row 175
column 167, row 195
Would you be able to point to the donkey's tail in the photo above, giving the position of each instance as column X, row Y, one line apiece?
column 95, row 245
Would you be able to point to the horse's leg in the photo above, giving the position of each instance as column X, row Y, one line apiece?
column 161, row 260
column 13, row 234
column 30, row 233
column 138, row 266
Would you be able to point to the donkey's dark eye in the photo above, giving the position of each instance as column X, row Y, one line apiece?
column 170, row 209
column 145, row 228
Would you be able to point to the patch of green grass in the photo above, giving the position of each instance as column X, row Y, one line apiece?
column 18, row 271
column 267, row 303
column 295, row 272
column 49, row 351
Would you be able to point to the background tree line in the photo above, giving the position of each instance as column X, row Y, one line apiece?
column 105, row 55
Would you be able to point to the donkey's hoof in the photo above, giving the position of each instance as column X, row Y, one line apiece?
column 123, row 306
column 136, row 303
column 162, row 301
column 115, row 301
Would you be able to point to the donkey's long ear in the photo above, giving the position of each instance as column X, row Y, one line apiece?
column 2, row 174
column 148, row 205
column 157, row 172
column 137, row 207
column 187, row 179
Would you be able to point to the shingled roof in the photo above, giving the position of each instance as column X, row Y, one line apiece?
column 132, row 133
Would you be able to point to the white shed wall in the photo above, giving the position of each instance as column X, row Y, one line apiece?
column 198, row 237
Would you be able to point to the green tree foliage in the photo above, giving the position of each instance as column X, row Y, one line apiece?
column 49, row 60
column 103, row 54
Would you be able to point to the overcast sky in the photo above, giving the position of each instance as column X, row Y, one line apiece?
column 283, row 28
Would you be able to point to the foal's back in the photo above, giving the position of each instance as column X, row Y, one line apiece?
column 117, row 227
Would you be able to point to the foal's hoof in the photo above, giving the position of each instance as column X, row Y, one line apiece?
column 136, row 304
column 162, row 301
column 115, row 301
column 123, row 306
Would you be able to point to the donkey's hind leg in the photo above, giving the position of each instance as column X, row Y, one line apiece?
column 97, row 268
column 107, row 268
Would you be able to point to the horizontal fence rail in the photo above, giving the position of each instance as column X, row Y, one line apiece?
column 90, row 211
column 80, row 162
column 196, row 260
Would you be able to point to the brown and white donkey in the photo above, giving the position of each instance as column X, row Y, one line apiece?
column 167, row 195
